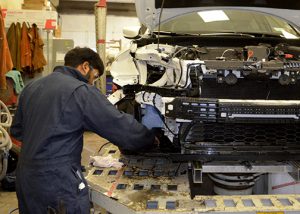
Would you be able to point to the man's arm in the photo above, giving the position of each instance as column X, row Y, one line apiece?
column 121, row 129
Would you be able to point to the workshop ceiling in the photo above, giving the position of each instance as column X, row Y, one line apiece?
column 87, row 6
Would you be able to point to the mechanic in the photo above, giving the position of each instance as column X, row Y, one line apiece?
column 52, row 115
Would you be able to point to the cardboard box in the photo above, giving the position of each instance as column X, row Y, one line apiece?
column 32, row 6
column 35, row 2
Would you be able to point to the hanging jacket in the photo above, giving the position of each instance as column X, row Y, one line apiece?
column 25, row 48
column 11, row 37
column 18, row 41
column 14, row 41
column 5, row 57
column 37, row 44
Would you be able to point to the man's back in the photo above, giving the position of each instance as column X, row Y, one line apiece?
column 51, row 119
column 55, row 111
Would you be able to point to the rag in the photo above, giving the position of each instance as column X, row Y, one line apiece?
column 105, row 162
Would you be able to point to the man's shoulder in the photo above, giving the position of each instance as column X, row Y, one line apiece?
column 62, row 81
column 89, row 92
column 88, row 89
column 54, row 82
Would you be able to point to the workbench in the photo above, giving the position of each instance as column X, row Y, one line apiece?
column 165, row 188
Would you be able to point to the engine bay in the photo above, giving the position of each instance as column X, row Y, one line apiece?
column 231, row 99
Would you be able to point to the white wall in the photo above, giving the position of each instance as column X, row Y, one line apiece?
column 115, row 25
column 81, row 28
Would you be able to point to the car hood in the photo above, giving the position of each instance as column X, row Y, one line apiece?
column 148, row 11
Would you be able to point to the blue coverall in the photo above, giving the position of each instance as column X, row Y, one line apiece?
column 52, row 115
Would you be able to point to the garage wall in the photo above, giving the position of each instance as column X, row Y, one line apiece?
column 81, row 28
column 115, row 25
column 283, row 183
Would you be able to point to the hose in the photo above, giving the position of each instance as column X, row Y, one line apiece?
column 6, row 144
column 4, row 165
column 6, row 112
column 14, row 210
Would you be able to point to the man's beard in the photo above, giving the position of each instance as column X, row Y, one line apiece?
column 88, row 76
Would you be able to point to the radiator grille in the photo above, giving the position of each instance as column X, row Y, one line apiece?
column 264, row 134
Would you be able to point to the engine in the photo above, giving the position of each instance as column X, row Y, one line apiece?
column 216, row 103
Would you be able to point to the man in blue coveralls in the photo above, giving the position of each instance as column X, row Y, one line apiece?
column 52, row 115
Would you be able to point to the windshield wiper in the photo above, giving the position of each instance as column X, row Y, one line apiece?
column 240, row 34
column 228, row 34
column 169, row 33
column 252, row 35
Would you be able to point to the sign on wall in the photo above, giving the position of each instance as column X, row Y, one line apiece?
column 3, row 11
column 43, row 19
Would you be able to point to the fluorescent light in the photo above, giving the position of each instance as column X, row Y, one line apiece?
column 213, row 16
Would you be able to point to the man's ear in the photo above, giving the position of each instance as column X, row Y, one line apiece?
column 83, row 68
column 86, row 67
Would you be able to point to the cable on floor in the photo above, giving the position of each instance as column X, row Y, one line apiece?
column 12, row 211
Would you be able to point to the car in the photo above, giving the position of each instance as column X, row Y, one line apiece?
column 216, row 80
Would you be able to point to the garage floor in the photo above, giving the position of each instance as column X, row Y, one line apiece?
column 92, row 143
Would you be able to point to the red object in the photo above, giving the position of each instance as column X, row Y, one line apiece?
column 101, row 41
column 114, row 88
column 114, row 185
column 286, row 185
column 288, row 56
column 6, row 63
column 16, row 142
column 250, row 54
column 101, row 3
column 9, row 96
column 4, row 12
column 50, row 24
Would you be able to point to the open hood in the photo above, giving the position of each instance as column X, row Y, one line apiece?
column 148, row 11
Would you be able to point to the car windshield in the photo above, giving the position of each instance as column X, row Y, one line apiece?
column 229, row 21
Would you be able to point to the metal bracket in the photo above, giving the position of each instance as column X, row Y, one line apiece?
column 251, row 167
column 293, row 168
column 296, row 170
column 197, row 172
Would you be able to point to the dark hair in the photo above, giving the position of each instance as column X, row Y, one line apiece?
column 79, row 55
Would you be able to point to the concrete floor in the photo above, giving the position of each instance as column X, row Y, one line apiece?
column 92, row 143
